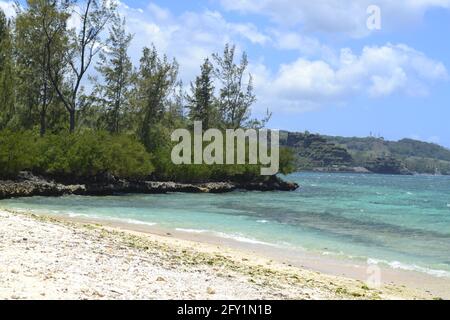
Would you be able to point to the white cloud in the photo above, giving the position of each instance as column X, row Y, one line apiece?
column 159, row 13
column 190, row 37
column 319, row 77
column 377, row 72
column 8, row 8
column 342, row 16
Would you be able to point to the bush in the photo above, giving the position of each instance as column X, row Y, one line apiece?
column 90, row 153
column 80, row 155
column 166, row 170
column 17, row 152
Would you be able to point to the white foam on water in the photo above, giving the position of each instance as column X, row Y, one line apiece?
column 262, row 221
column 232, row 236
column 410, row 267
column 330, row 253
column 123, row 220
column 241, row 238
column 448, row 205
column 73, row 214
column 191, row 230
column 132, row 221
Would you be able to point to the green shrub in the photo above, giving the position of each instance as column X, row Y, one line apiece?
column 17, row 152
column 80, row 155
column 91, row 153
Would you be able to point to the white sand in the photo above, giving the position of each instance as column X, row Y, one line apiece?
column 46, row 258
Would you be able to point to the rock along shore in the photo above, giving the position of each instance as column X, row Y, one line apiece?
column 28, row 185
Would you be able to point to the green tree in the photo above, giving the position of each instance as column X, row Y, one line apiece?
column 116, row 69
column 35, row 90
column 84, row 45
column 201, row 102
column 7, row 93
column 155, row 83
column 236, row 95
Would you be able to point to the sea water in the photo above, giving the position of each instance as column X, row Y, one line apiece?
column 399, row 221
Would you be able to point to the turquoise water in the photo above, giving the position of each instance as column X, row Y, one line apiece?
column 401, row 221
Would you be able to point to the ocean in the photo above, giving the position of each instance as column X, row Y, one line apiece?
column 402, row 222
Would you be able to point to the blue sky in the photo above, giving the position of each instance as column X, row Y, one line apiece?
column 316, row 65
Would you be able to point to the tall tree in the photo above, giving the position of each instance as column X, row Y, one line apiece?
column 156, row 80
column 236, row 95
column 85, row 44
column 176, row 106
column 35, row 90
column 201, row 101
column 7, row 93
column 116, row 70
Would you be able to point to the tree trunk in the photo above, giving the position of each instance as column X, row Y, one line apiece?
column 72, row 121
column 43, row 122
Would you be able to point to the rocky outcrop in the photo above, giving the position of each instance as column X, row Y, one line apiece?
column 27, row 185
column 341, row 169
column 315, row 151
column 387, row 165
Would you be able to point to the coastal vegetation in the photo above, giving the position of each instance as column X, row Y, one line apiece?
column 73, row 105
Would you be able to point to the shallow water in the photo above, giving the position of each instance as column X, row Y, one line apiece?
column 400, row 221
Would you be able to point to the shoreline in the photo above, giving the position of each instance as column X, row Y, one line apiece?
column 306, row 277
column 28, row 185
column 312, row 261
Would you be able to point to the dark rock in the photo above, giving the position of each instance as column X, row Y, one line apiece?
column 27, row 185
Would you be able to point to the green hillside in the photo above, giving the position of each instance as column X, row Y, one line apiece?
column 374, row 154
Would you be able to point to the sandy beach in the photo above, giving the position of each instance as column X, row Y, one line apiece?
column 44, row 257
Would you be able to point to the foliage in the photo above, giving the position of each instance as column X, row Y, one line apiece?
column 235, row 97
column 17, row 153
column 287, row 161
column 115, row 67
column 51, row 125
column 376, row 154
column 156, row 80
column 202, row 103
column 6, row 73
column 73, row 156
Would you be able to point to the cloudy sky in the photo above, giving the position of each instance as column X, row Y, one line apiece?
column 316, row 64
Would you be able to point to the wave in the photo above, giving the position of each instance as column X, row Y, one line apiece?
column 116, row 219
column 191, row 230
column 232, row 236
column 241, row 238
column 132, row 221
column 410, row 267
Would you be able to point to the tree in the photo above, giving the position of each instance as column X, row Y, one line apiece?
column 35, row 90
column 155, row 82
column 116, row 69
column 85, row 44
column 201, row 102
column 236, row 97
column 176, row 107
column 7, row 93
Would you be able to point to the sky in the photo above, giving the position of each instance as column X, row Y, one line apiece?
column 316, row 65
